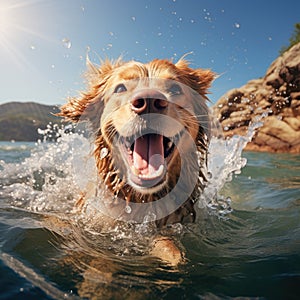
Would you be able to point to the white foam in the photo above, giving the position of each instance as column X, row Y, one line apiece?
column 52, row 178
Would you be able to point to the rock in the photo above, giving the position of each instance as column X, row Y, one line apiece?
column 274, row 100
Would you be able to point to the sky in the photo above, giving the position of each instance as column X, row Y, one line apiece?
column 44, row 43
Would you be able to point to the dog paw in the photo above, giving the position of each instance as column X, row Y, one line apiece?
column 165, row 249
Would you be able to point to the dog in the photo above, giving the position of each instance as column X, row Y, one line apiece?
column 151, row 130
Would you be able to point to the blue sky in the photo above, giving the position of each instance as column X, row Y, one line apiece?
column 43, row 43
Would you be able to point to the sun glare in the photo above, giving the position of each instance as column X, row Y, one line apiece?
column 5, row 20
column 16, row 28
column 7, row 32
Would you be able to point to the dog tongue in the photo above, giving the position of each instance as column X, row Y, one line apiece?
column 148, row 153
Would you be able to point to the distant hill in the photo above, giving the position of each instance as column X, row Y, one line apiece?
column 20, row 121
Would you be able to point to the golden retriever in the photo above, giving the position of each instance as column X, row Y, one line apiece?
column 151, row 132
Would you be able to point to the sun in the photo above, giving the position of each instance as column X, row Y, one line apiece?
column 15, row 29
column 18, row 31
column 15, row 21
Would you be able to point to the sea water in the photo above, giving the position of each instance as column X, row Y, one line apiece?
column 246, row 244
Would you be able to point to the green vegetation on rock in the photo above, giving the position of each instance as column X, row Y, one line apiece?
column 294, row 39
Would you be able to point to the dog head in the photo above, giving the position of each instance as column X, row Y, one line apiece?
column 150, row 122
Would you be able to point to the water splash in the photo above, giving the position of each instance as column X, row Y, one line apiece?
column 224, row 160
column 46, row 180
column 61, row 166
column 53, row 176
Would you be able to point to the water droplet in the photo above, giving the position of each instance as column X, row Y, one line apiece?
column 237, row 25
column 32, row 47
column 151, row 217
column 67, row 43
column 133, row 19
column 128, row 209
column 103, row 153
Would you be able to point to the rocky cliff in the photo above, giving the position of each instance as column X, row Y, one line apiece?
column 276, row 95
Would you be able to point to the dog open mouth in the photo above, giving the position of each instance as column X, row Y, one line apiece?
column 148, row 156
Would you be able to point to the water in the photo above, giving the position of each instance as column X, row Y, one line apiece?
column 245, row 245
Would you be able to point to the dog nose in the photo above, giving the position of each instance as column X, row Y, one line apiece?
column 149, row 101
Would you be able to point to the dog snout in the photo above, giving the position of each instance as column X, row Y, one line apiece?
column 149, row 101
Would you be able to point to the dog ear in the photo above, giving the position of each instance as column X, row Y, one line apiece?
column 205, row 78
column 198, row 79
column 79, row 108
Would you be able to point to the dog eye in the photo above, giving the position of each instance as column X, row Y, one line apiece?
column 120, row 88
column 175, row 89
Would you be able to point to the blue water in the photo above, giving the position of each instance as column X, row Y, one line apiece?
column 252, row 251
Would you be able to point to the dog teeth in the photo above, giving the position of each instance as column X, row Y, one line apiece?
column 135, row 171
column 157, row 173
column 128, row 143
column 169, row 145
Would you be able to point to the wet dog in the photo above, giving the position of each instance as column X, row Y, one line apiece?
column 151, row 133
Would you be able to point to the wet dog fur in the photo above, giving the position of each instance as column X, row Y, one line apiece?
column 118, row 97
